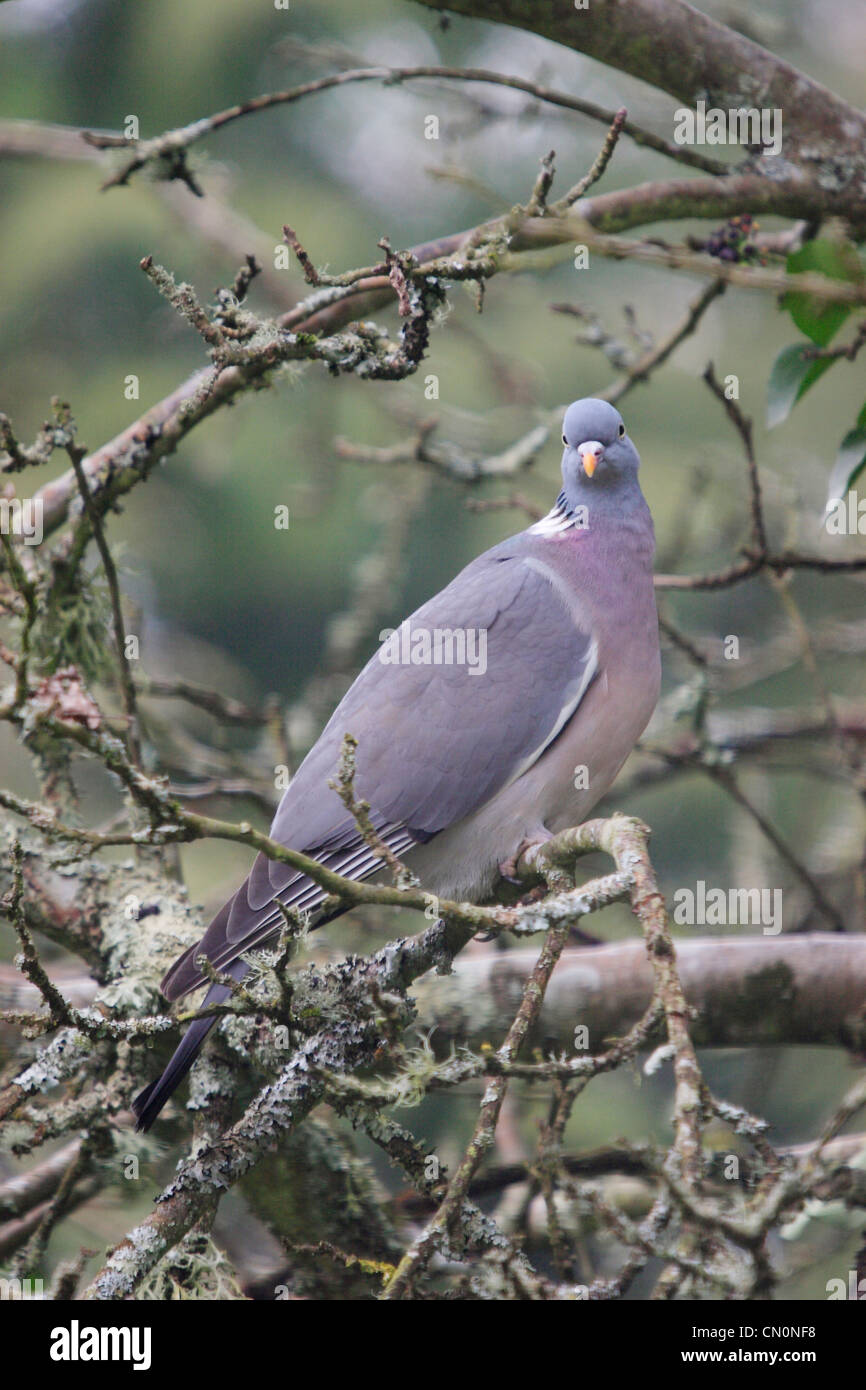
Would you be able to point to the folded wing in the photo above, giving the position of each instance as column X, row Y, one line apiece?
column 436, row 738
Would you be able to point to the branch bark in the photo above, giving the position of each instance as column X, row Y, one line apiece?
column 132, row 454
column 691, row 56
column 746, row 992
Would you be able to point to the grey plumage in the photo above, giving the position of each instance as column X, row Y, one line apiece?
column 461, row 765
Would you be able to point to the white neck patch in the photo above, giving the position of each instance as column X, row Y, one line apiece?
column 559, row 520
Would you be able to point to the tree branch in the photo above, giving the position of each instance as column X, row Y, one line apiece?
column 690, row 56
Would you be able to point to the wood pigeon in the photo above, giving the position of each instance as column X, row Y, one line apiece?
column 496, row 715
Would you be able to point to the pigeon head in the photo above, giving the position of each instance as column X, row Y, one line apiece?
column 598, row 455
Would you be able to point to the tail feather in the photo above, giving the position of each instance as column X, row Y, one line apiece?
column 184, row 976
column 149, row 1102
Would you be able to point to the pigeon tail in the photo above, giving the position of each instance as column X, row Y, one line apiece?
column 149, row 1102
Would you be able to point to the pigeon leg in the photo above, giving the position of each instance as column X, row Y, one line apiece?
column 508, row 867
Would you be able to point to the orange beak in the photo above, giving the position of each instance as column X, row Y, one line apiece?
column 590, row 455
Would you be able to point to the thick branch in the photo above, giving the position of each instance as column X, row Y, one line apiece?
column 747, row 991
column 131, row 455
column 691, row 56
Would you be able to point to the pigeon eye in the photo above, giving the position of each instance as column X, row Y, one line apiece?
column 621, row 431
column 565, row 441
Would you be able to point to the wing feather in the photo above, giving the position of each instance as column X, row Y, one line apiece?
column 435, row 741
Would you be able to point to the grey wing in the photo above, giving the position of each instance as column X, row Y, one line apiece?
column 436, row 740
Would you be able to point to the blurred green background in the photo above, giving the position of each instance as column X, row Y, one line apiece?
column 225, row 599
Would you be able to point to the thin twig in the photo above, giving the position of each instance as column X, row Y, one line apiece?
column 173, row 144
column 744, row 430
column 600, row 163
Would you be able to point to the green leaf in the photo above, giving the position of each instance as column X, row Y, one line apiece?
column 793, row 372
column 838, row 260
column 850, row 462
